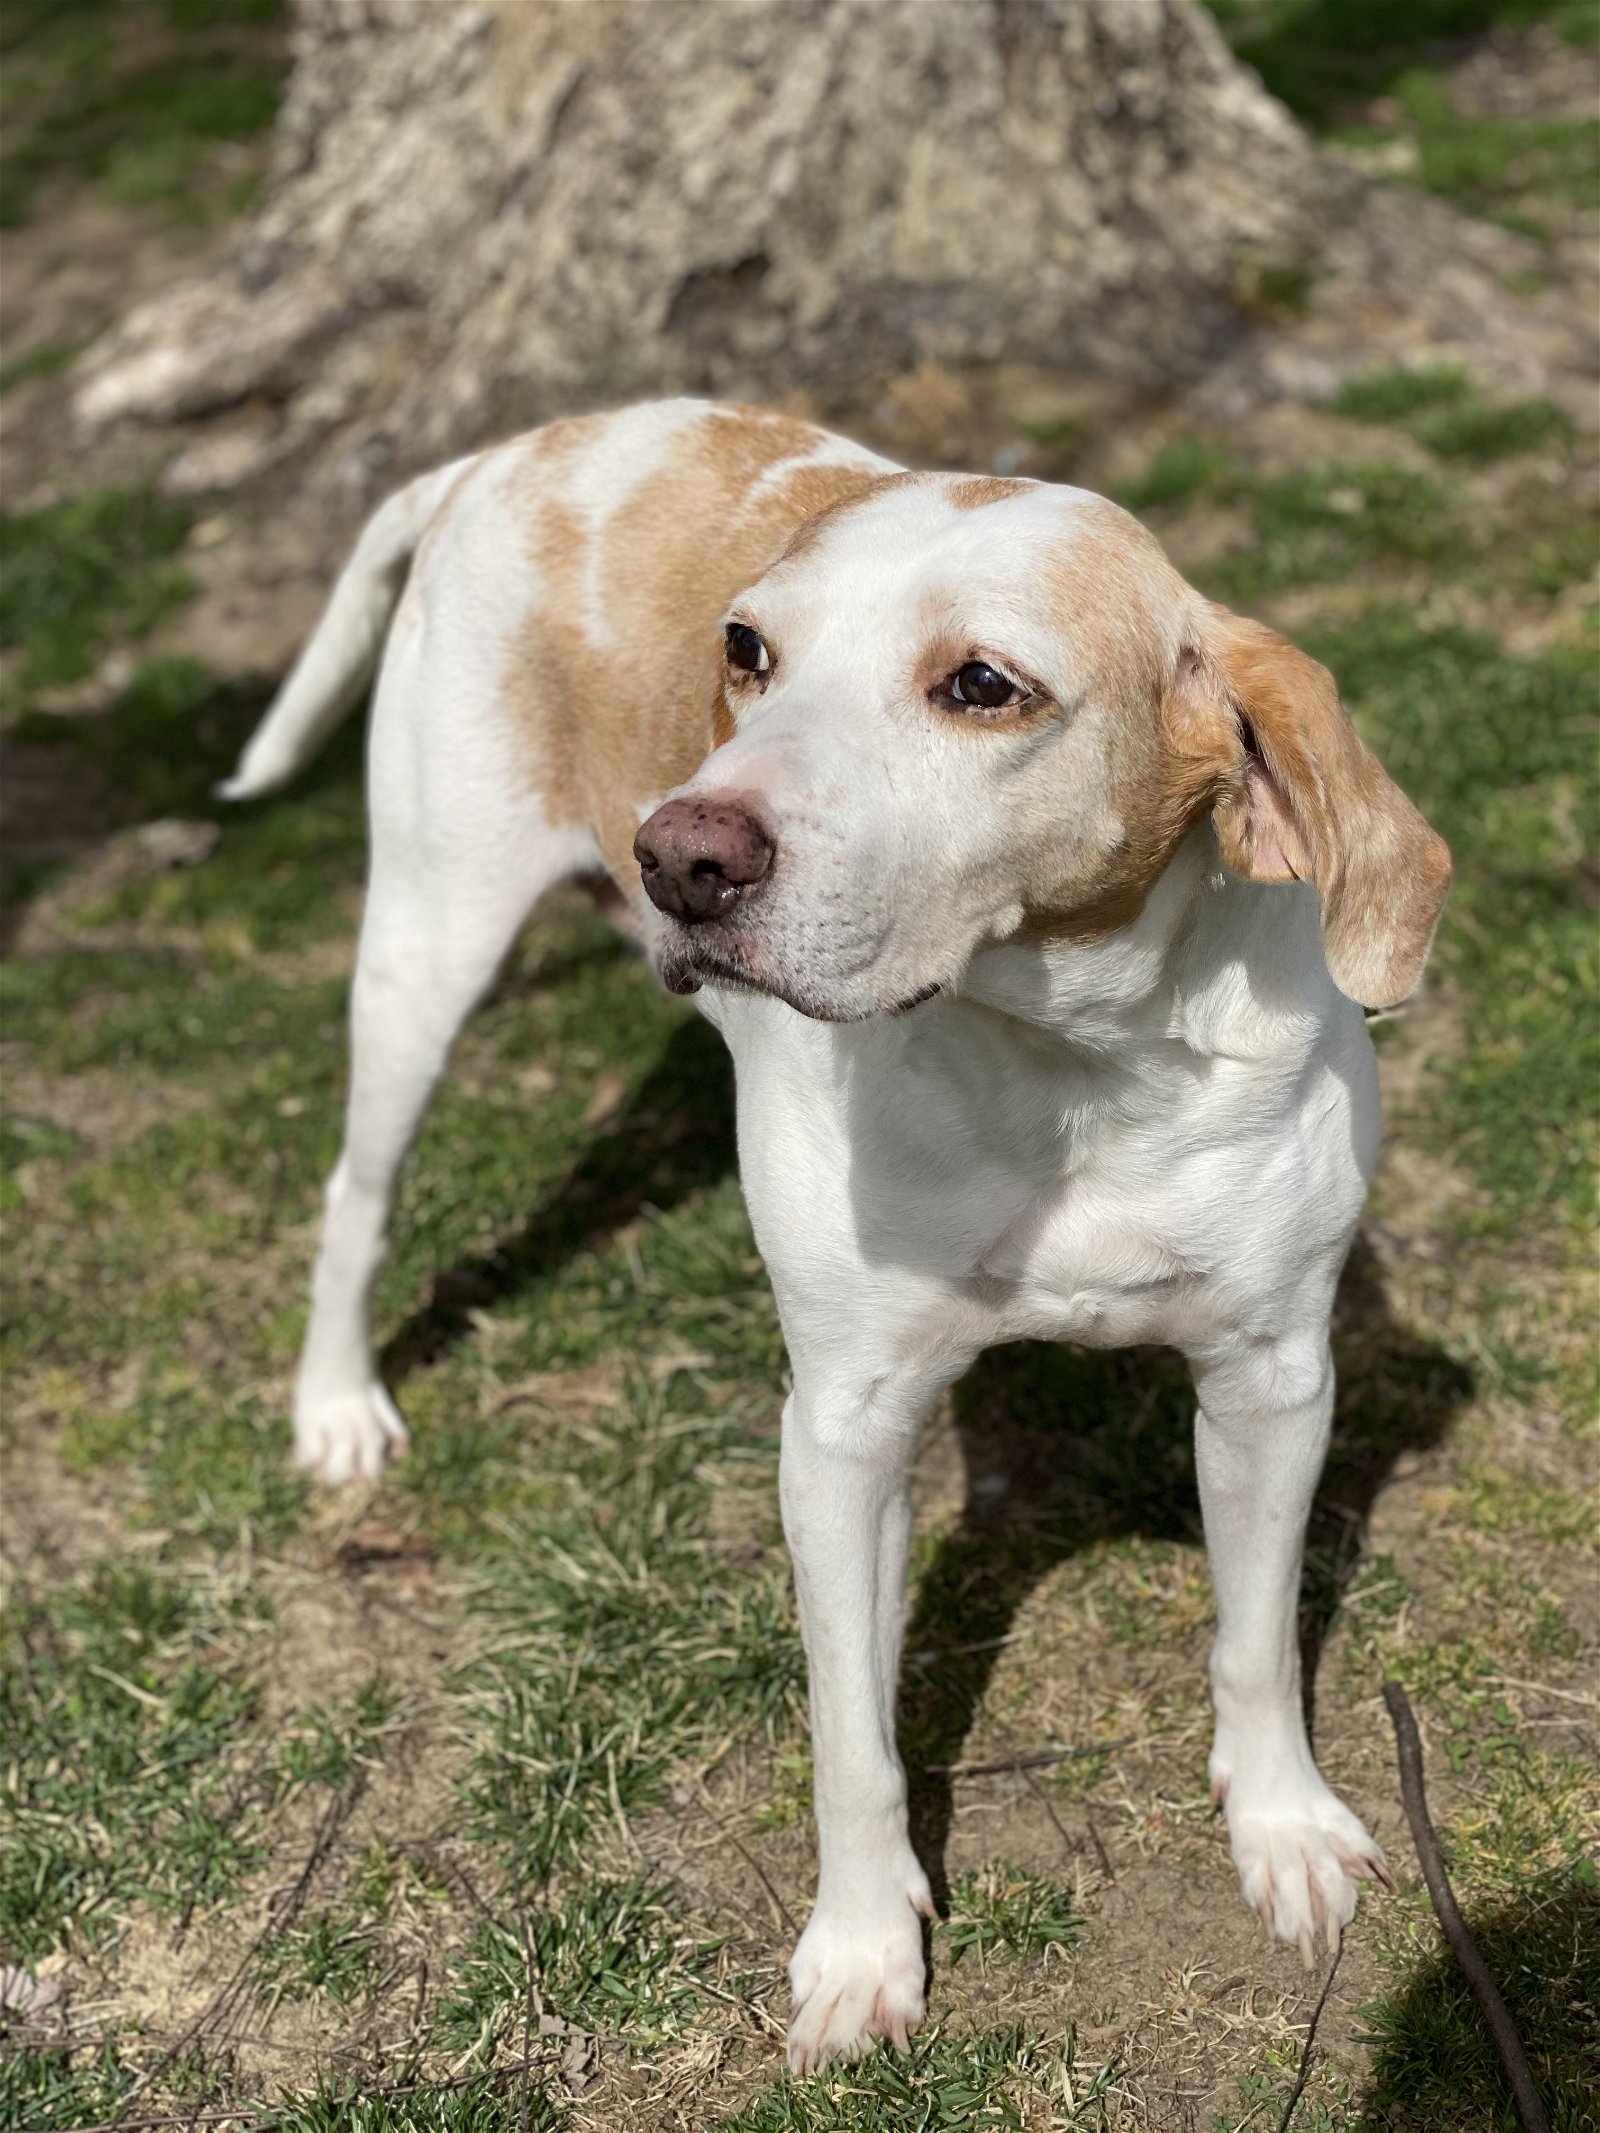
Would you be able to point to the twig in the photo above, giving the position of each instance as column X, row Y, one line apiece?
column 1036, row 1761
column 1486, row 1992
column 1046, row 1803
column 282, row 1913
column 1099, row 1845
column 1544, row 1688
column 529, row 1959
column 785, row 1917
column 1304, row 2074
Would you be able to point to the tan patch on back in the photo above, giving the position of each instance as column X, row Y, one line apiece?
column 616, row 716
column 970, row 492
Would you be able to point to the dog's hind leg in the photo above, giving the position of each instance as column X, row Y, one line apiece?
column 462, row 849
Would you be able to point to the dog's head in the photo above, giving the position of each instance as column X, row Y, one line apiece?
column 965, row 711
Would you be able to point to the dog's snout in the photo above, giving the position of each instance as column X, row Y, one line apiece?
column 700, row 858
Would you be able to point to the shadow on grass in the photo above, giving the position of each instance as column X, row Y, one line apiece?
column 1433, row 2064
column 1066, row 1448
column 674, row 1138
column 72, row 783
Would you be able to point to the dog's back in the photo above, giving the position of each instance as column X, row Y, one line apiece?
column 587, row 563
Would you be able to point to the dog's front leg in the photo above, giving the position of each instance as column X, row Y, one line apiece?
column 1260, row 1437
column 858, row 1971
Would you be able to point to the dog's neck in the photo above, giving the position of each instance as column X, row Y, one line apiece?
column 1228, row 968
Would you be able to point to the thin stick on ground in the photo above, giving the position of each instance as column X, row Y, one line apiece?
column 1309, row 2046
column 1036, row 1761
column 227, row 2000
column 1486, row 1992
column 785, row 1917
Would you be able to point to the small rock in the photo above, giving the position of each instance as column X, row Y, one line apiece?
column 23, row 1993
column 173, row 842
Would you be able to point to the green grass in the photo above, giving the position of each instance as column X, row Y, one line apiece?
column 946, row 2084
column 134, row 1771
column 1182, row 470
column 74, row 575
column 128, row 1770
column 1433, row 2062
column 621, row 1649
column 1001, row 1909
column 608, row 1956
column 483, row 2104
column 1441, row 408
column 1326, row 58
column 137, row 99
column 57, row 2091
column 1317, row 525
column 1498, row 750
column 46, row 359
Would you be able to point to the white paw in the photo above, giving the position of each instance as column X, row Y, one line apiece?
column 858, row 1975
column 1301, row 1855
column 348, row 1436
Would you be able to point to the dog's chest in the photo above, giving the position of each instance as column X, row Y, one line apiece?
column 1053, row 1213
column 1096, row 1258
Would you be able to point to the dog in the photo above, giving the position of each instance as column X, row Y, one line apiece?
column 1036, row 898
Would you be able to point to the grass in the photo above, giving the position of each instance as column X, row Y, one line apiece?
column 74, row 575
column 1439, row 406
column 123, row 1775
column 155, row 103
column 1499, row 752
column 510, row 1757
column 589, row 1359
column 1002, row 1909
column 1005, row 2080
column 1329, row 59
column 484, row 2104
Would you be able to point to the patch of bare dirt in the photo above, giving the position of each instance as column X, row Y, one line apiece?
column 54, row 1526
column 104, row 1108
column 1532, row 73
column 71, row 270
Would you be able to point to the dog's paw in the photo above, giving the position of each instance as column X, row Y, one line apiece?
column 1302, row 1856
column 858, row 1975
column 348, row 1436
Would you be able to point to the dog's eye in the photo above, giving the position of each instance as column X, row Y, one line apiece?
column 983, row 687
column 745, row 649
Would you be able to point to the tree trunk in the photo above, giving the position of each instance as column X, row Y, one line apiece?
column 486, row 212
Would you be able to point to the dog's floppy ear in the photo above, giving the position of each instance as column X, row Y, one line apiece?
column 1303, row 800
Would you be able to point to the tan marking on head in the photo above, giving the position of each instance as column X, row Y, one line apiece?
column 613, row 724
column 1122, row 604
column 828, row 507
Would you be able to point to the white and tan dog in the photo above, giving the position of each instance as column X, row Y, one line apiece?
column 1033, row 895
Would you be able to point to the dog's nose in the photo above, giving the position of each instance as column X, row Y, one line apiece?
column 699, row 858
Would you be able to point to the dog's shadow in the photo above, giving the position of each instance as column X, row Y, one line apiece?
column 1063, row 1447
column 673, row 1138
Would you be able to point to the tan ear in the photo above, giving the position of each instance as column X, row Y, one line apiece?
column 1305, row 801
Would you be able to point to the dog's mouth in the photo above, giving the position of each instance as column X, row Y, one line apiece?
column 701, row 958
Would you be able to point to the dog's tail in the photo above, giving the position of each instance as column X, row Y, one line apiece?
column 335, row 667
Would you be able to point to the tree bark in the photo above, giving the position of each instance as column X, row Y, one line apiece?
column 488, row 211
